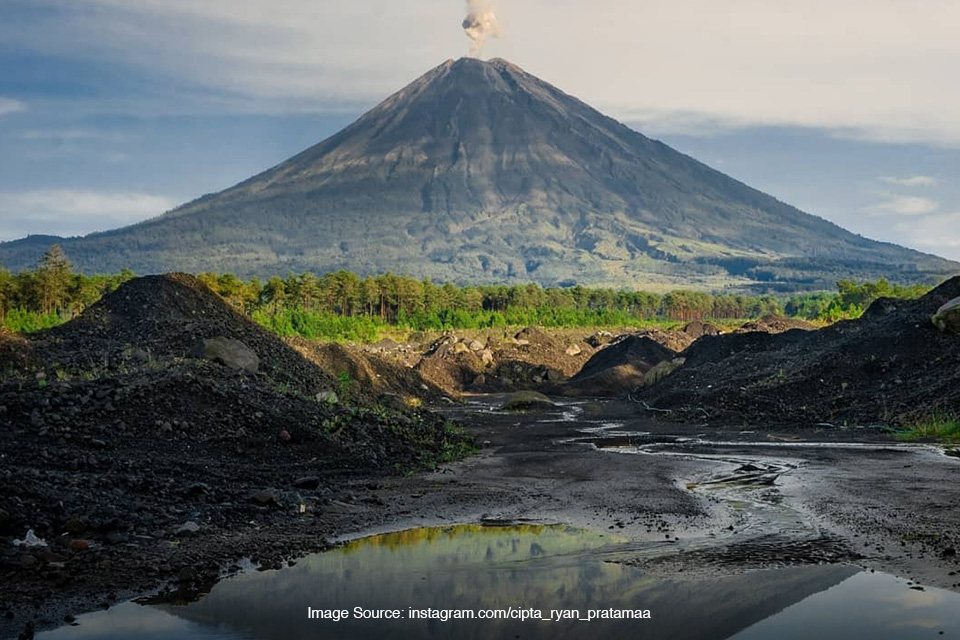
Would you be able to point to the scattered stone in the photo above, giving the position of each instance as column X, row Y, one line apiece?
column 486, row 357
column 574, row 350
column 460, row 348
column 80, row 545
column 527, row 401
column 307, row 482
column 662, row 370
column 476, row 345
column 188, row 527
column 265, row 498
column 285, row 436
column 52, row 558
column 229, row 352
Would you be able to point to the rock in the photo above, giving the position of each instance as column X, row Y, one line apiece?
column 574, row 350
column 521, row 342
column 553, row 375
column 486, row 356
column 285, row 436
column 51, row 557
column 327, row 397
column 265, row 498
column 188, row 527
column 476, row 345
column 527, row 401
column 599, row 339
column 460, row 348
column 307, row 482
column 232, row 353
column 479, row 381
column 662, row 370
column 79, row 545
column 947, row 317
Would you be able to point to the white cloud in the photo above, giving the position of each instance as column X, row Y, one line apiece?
column 867, row 69
column 69, row 212
column 937, row 233
column 912, row 181
column 905, row 206
column 9, row 105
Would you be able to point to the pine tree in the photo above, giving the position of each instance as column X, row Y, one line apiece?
column 54, row 276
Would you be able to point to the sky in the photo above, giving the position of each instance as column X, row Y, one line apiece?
column 114, row 111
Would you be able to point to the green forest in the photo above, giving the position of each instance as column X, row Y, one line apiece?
column 345, row 306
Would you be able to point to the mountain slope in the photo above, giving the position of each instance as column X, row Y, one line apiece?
column 480, row 172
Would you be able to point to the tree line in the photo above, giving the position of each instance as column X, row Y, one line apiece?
column 345, row 305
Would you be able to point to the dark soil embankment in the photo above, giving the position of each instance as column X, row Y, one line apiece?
column 135, row 461
column 890, row 363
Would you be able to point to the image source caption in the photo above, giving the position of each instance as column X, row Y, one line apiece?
column 510, row 613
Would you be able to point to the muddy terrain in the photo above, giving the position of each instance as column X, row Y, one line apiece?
column 161, row 441
column 700, row 505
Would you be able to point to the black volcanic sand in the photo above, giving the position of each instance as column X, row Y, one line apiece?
column 890, row 365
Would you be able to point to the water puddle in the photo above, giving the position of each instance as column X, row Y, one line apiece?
column 513, row 571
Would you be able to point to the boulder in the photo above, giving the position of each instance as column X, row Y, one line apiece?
column 476, row 345
column 662, row 370
column 229, row 352
column 947, row 317
column 459, row 348
column 486, row 356
column 527, row 401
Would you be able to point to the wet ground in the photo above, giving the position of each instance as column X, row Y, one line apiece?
column 717, row 511
column 437, row 582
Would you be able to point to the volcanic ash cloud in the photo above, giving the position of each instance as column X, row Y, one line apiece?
column 480, row 24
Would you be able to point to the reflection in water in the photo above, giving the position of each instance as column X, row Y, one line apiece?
column 476, row 567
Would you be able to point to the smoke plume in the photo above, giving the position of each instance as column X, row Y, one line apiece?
column 480, row 24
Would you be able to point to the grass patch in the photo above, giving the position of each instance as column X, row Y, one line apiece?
column 937, row 426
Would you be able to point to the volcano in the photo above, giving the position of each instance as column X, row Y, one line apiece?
column 479, row 172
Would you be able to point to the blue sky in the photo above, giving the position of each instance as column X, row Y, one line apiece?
column 114, row 111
